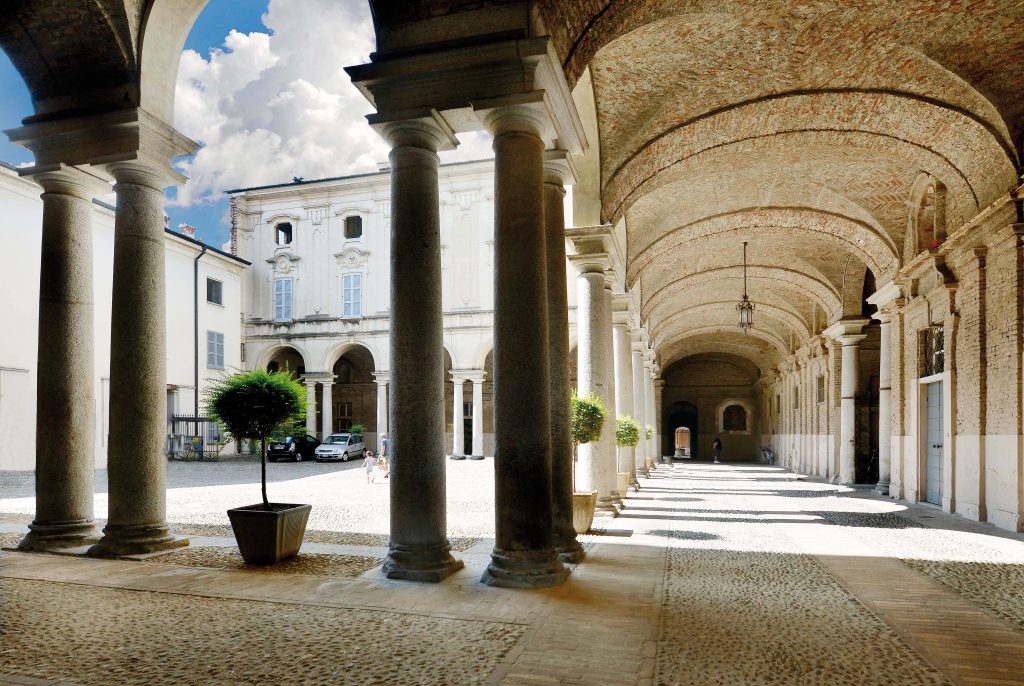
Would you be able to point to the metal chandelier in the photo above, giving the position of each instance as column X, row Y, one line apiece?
column 745, row 307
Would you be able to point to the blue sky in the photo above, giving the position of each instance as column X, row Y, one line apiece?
column 261, row 88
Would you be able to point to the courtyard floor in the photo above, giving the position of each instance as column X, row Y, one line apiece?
column 712, row 574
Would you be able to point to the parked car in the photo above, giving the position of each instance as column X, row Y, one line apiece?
column 340, row 447
column 295, row 448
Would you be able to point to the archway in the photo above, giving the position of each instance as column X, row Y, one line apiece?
column 354, row 394
column 287, row 359
column 679, row 414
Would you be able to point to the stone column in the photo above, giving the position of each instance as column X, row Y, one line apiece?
column 848, row 333
column 137, row 453
column 458, row 426
column 884, row 408
column 622, row 352
column 523, row 555
column 327, row 409
column 311, row 407
column 419, row 548
column 65, row 415
column 594, row 472
column 558, row 171
column 382, row 402
column 478, row 418
column 610, row 451
column 653, row 446
column 640, row 402
column 656, row 388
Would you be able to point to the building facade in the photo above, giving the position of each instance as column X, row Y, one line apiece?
column 215, row 315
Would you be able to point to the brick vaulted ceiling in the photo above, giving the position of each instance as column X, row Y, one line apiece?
column 798, row 126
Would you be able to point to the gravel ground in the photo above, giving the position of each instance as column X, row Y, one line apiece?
column 741, row 608
column 132, row 637
column 313, row 564
column 200, row 493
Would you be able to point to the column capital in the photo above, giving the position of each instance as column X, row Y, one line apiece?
column 890, row 295
column 883, row 316
column 559, row 169
column 594, row 248
column 463, row 375
column 625, row 307
column 318, row 377
column 848, row 330
column 143, row 172
column 423, row 128
column 658, row 383
column 66, row 180
column 382, row 378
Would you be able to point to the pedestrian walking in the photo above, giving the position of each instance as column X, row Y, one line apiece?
column 718, row 448
column 368, row 464
column 385, row 453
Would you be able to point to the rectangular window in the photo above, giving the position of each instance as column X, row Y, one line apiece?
column 282, row 299
column 352, row 295
column 821, row 388
column 796, row 398
column 283, row 233
column 214, row 291
column 933, row 350
column 214, row 350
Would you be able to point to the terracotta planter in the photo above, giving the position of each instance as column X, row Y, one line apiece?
column 583, row 505
column 267, row 536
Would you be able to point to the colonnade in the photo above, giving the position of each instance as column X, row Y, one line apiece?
column 71, row 173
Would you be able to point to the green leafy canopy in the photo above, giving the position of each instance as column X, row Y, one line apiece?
column 627, row 432
column 587, row 417
column 255, row 404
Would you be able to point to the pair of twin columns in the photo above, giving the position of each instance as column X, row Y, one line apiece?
column 533, row 445
column 65, row 424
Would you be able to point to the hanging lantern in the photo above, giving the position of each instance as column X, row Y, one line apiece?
column 745, row 307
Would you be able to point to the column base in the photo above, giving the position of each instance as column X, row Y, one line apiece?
column 457, row 457
column 431, row 563
column 524, row 569
column 605, row 507
column 57, row 536
column 569, row 549
column 476, row 457
column 882, row 488
column 122, row 540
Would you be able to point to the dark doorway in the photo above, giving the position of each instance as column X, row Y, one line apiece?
column 865, row 466
column 681, row 414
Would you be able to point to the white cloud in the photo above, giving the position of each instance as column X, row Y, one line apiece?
column 270, row 106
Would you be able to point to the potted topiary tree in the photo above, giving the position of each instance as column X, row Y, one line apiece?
column 254, row 405
column 627, row 435
column 587, row 414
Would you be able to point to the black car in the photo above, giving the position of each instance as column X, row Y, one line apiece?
column 296, row 448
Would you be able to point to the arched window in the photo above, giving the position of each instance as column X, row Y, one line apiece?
column 734, row 418
column 926, row 225
column 926, row 235
column 353, row 227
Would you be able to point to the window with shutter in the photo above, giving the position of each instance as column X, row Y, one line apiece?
column 214, row 350
column 352, row 295
column 282, row 299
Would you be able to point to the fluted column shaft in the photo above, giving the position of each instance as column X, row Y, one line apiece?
column 523, row 555
column 419, row 548
column 137, row 454
column 65, row 415
column 562, row 531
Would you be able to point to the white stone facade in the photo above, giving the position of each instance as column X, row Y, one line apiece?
column 324, row 251
column 19, row 282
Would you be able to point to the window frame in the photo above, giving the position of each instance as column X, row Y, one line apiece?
column 351, row 308
column 220, row 291
column 286, row 310
column 359, row 227
column 216, row 352
column 278, row 232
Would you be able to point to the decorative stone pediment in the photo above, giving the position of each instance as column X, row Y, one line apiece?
column 352, row 258
column 283, row 260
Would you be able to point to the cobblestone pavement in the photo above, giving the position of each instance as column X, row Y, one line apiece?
column 712, row 575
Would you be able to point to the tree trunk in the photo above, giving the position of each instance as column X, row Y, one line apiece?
column 263, row 470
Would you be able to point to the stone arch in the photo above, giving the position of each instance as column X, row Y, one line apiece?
column 854, row 276
column 748, row 415
column 786, row 317
column 282, row 353
column 483, row 351
column 338, row 351
column 354, row 392
column 165, row 29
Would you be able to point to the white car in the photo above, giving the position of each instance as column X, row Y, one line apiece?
column 340, row 447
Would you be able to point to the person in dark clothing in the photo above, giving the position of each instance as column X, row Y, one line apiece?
column 718, row 448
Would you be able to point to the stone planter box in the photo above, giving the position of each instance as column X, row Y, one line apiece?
column 622, row 483
column 583, row 505
column 267, row 536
